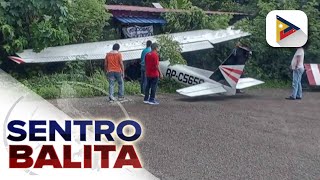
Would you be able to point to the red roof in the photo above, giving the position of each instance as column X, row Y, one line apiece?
column 157, row 10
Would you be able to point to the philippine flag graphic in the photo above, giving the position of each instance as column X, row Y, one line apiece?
column 287, row 28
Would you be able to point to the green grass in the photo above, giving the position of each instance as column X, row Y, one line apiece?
column 169, row 86
column 73, row 86
column 78, row 86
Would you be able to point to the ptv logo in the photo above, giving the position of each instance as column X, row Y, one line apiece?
column 287, row 28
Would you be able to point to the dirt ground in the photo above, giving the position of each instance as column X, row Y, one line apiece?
column 256, row 135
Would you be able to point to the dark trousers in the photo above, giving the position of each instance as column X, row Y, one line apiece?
column 152, row 83
column 143, row 82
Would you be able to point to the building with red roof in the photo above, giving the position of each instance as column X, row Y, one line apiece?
column 138, row 21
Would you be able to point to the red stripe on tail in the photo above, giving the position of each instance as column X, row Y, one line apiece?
column 234, row 70
column 231, row 76
column 310, row 76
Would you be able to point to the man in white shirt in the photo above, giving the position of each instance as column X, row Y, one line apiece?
column 298, row 69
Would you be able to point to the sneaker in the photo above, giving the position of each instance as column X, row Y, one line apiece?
column 120, row 98
column 154, row 102
column 111, row 100
column 298, row 98
column 146, row 102
column 239, row 91
column 290, row 98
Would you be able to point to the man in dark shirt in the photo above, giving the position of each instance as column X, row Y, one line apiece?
column 143, row 68
column 152, row 73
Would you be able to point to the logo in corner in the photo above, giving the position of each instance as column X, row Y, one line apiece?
column 287, row 28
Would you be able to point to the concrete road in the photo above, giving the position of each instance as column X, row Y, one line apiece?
column 257, row 135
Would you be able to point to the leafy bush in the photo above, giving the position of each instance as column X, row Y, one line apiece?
column 167, row 85
column 132, row 87
column 72, row 86
column 48, row 92
column 193, row 19
column 38, row 24
column 33, row 24
column 87, row 20
column 170, row 50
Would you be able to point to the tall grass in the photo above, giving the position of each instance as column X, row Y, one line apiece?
column 78, row 86
column 73, row 86
column 169, row 85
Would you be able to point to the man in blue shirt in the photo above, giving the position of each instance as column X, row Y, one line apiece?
column 143, row 67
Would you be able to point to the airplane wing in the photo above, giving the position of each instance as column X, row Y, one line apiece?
column 130, row 48
column 202, row 90
column 248, row 82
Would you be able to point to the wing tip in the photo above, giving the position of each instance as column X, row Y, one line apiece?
column 18, row 60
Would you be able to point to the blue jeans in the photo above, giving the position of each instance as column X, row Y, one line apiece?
column 112, row 77
column 143, row 82
column 152, row 84
column 296, row 83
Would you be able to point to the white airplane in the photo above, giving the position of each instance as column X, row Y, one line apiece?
column 225, row 80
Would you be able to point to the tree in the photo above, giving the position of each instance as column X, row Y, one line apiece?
column 126, row 2
column 194, row 18
column 180, row 4
column 207, row 4
column 87, row 20
column 33, row 23
column 312, row 9
column 38, row 24
column 170, row 50
column 273, row 63
column 227, row 5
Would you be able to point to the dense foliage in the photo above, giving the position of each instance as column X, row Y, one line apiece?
column 224, row 5
column 193, row 19
column 38, row 24
column 87, row 20
column 170, row 50
column 273, row 63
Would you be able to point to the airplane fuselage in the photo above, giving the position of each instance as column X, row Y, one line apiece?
column 181, row 74
column 189, row 76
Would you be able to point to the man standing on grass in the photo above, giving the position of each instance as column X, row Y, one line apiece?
column 298, row 69
column 115, row 72
column 153, row 73
column 143, row 83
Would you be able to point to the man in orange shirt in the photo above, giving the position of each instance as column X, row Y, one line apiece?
column 115, row 72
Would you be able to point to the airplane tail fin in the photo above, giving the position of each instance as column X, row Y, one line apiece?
column 231, row 70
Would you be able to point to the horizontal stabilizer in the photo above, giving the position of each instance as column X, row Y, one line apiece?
column 248, row 82
column 202, row 90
